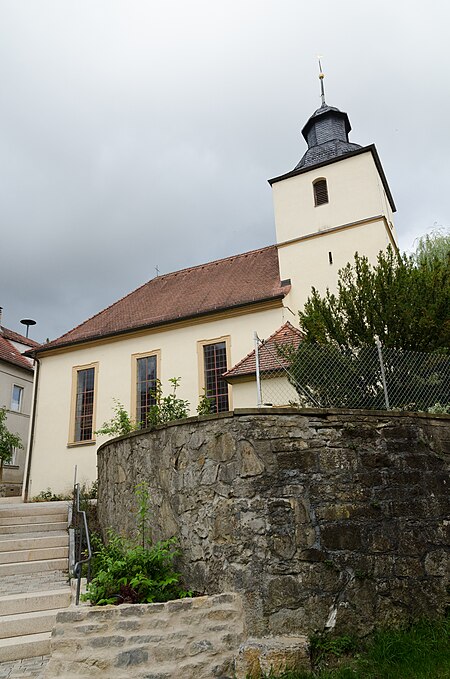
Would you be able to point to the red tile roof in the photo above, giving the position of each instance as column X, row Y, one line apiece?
column 269, row 358
column 16, row 337
column 223, row 284
column 9, row 353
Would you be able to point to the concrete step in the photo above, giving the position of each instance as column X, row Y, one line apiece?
column 11, row 543
column 33, row 508
column 22, row 624
column 11, row 500
column 29, row 602
column 60, row 564
column 32, row 518
column 33, row 528
column 27, row 646
column 23, row 555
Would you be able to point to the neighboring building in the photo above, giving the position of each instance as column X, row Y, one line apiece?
column 275, row 388
column 16, row 389
column 199, row 322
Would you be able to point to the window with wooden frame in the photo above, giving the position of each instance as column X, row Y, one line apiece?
column 84, row 380
column 214, row 362
column 320, row 192
column 146, row 377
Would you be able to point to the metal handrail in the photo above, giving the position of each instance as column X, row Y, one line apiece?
column 81, row 536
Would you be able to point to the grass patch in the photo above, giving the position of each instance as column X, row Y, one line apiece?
column 419, row 651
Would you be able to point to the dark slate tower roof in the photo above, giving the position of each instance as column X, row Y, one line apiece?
column 326, row 134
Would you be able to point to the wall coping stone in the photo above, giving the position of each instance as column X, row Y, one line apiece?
column 269, row 410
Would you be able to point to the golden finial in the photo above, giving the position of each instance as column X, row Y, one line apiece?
column 321, row 77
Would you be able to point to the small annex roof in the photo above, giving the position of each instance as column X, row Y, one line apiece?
column 9, row 353
column 220, row 285
column 269, row 358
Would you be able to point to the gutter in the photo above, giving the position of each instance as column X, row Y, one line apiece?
column 31, row 434
column 44, row 348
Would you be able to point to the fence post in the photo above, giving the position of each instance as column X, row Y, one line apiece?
column 383, row 374
column 258, row 374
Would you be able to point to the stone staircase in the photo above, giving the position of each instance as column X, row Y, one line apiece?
column 34, row 547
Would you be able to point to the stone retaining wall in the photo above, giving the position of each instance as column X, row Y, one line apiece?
column 318, row 519
column 191, row 638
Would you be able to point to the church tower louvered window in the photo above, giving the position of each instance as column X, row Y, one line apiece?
column 320, row 192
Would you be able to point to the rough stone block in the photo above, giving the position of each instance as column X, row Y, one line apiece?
column 130, row 658
column 261, row 656
column 437, row 563
column 341, row 536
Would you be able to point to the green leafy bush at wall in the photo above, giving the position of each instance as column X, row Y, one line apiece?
column 49, row 496
column 164, row 409
column 205, row 404
column 125, row 572
column 167, row 408
column 120, row 424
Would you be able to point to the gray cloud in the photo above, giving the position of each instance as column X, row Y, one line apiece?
column 137, row 133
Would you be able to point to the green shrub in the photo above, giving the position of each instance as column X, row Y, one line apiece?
column 49, row 496
column 440, row 409
column 120, row 424
column 205, row 404
column 166, row 408
column 127, row 573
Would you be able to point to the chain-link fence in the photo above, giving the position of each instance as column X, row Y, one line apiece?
column 369, row 377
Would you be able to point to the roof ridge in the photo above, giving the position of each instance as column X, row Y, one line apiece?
column 288, row 324
column 172, row 273
column 17, row 337
column 214, row 261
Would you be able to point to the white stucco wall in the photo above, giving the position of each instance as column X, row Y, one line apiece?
column 53, row 461
column 355, row 192
column 307, row 263
column 275, row 391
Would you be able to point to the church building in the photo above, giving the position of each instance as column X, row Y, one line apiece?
column 198, row 323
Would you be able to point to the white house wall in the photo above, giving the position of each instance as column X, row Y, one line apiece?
column 52, row 461
column 355, row 192
column 307, row 262
column 276, row 391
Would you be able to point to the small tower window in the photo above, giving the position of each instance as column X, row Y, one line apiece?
column 320, row 192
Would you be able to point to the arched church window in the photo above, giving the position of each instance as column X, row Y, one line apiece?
column 320, row 192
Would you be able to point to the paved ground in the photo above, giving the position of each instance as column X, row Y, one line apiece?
column 28, row 667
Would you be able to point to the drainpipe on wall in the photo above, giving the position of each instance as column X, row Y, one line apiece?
column 26, row 476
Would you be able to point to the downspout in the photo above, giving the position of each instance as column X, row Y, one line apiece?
column 31, row 434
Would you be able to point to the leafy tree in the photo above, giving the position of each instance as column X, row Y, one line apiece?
column 404, row 299
column 8, row 442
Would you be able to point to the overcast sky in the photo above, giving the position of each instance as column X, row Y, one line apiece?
column 136, row 134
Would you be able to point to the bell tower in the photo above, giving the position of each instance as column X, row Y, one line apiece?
column 335, row 202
